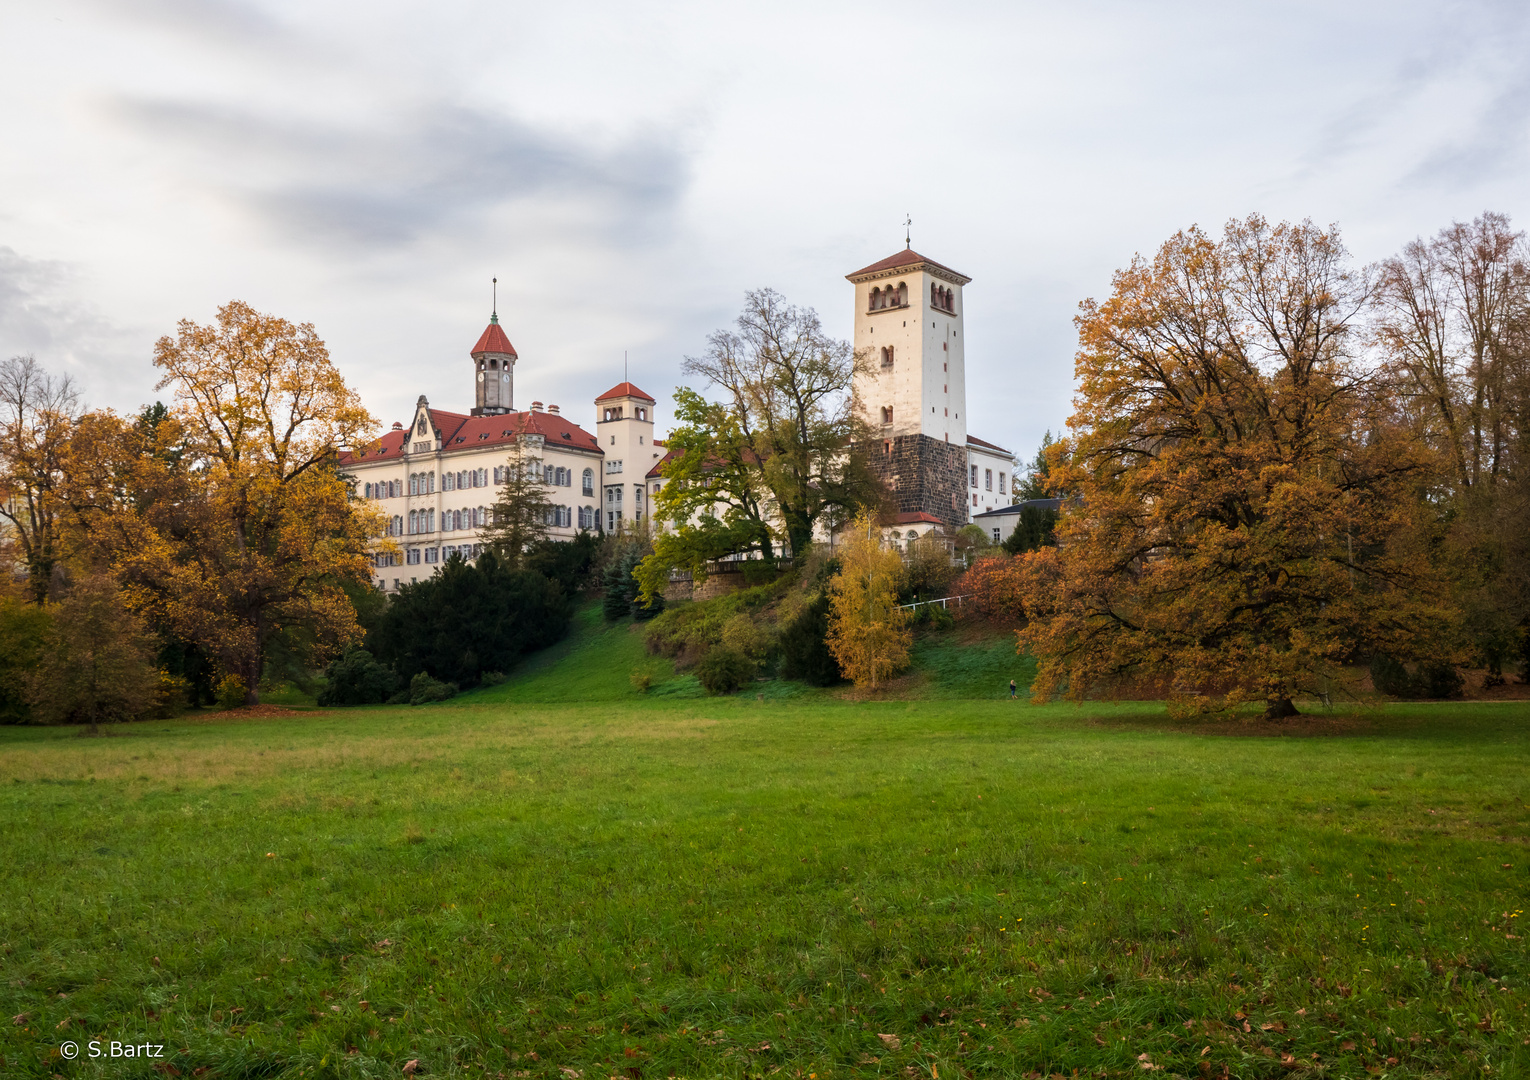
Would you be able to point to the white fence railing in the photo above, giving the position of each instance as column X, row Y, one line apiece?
column 944, row 602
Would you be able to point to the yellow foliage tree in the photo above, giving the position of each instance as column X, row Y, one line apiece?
column 229, row 521
column 868, row 633
column 1247, row 511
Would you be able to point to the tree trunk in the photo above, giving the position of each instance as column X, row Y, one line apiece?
column 1279, row 709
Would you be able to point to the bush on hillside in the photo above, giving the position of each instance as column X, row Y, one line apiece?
column 358, row 679
column 994, row 584
column 470, row 618
column 695, row 627
column 423, row 690
column 805, row 654
column 927, row 572
column 722, row 670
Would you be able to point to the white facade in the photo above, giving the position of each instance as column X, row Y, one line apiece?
column 437, row 479
column 624, row 429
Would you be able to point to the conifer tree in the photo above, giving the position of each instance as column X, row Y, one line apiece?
column 521, row 514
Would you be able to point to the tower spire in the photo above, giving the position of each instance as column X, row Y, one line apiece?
column 494, row 316
column 908, row 227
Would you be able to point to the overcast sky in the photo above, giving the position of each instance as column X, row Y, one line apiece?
column 629, row 170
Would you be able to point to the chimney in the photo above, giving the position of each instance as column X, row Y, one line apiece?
column 553, row 409
column 536, row 406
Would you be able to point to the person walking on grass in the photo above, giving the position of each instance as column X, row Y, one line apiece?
column 1012, row 689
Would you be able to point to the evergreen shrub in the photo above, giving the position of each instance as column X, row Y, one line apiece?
column 423, row 690
column 358, row 679
column 805, row 654
column 722, row 670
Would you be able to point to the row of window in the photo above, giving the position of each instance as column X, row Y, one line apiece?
column 423, row 522
column 987, row 479
column 424, row 483
column 894, row 296
column 414, row 556
column 615, row 413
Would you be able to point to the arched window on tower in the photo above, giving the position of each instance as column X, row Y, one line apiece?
column 887, row 356
column 903, row 294
column 886, row 414
column 876, row 297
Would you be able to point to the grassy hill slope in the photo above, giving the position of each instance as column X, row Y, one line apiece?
column 596, row 662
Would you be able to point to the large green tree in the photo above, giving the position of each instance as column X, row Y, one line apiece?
column 757, row 470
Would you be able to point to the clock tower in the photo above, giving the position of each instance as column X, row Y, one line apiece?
column 494, row 371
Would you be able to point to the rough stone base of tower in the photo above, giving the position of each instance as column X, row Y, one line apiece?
column 923, row 475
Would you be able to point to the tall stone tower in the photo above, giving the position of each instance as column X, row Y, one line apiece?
column 908, row 318
column 494, row 364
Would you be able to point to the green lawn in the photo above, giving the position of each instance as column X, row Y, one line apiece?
column 561, row 877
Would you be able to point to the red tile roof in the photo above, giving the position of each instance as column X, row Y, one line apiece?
column 914, row 517
column 460, row 432
column 669, row 456
column 626, row 389
column 494, row 340
column 906, row 257
column 986, row 444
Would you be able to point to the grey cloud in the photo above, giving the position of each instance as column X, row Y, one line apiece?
column 432, row 167
column 42, row 313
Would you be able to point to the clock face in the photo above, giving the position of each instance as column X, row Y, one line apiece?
column 505, row 377
column 480, row 376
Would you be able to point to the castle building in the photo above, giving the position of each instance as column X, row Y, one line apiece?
column 436, row 478
column 909, row 318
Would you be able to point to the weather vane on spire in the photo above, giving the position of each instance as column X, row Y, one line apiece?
column 494, row 311
column 908, row 226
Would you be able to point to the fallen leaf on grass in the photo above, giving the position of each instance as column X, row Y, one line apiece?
column 892, row 1042
column 411, row 1066
column 20, row 1018
column 1347, row 1044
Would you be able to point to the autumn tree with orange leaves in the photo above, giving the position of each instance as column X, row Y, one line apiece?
column 1246, row 508
column 229, row 522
